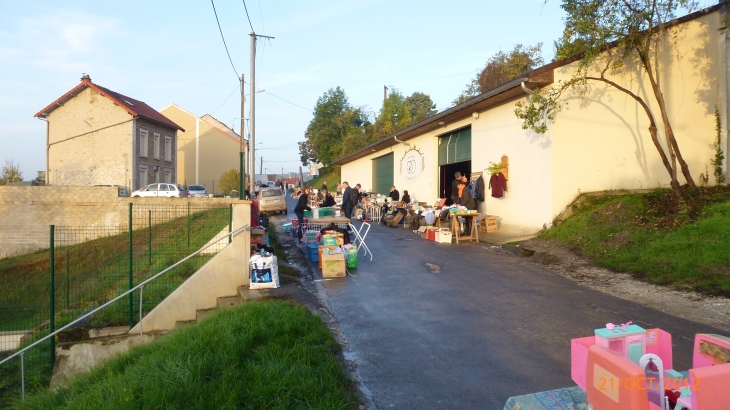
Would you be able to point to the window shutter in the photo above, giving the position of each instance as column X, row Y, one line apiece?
column 157, row 146
column 143, row 143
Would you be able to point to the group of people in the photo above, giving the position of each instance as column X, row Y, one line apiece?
column 460, row 193
column 350, row 198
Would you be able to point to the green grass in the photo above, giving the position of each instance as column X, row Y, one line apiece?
column 332, row 179
column 655, row 238
column 98, row 271
column 261, row 355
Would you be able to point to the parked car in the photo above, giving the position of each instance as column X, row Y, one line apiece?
column 121, row 191
column 272, row 200
column 197, row 191
column 160, row 190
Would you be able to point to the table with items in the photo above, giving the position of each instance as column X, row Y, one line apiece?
column 315, row 224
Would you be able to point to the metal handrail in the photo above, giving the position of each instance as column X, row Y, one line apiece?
column 84, row 316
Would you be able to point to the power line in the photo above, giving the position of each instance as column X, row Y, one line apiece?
column 223, row 38
column 229, row 97
column 288, row 101
column 249, row 18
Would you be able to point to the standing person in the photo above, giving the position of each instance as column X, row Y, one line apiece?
column 394, row 194
column 324, row 186
column 406, row 197
column 302, row 205
column 454, row 187
column 339, row 188
column 348, row 200
column 358, row 189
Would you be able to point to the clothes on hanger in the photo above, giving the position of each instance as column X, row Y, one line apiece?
column 498, row 184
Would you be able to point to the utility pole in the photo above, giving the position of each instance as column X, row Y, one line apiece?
column 241, row 172
column 252, row 138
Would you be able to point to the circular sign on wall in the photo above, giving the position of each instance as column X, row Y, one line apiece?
column 411, row 165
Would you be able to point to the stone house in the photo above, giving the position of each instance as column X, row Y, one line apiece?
column 98, row 136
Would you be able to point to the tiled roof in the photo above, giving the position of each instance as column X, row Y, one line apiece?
column 134, row 107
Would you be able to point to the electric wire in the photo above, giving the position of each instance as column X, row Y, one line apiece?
column 228, row 98
column 249, row 18
column 224, row 40
column 266, row 92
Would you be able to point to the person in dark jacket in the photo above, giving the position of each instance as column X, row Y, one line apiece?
column 347, row 200
column 328, row 200
column 465, row 199
column 302, row 205
column 394, row 194
column 406, row 197
column 324, row 186
column 454, row 187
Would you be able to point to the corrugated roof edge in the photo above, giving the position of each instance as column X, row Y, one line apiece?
column 504, row 87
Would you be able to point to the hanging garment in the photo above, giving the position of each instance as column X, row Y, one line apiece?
column 479, row 189
column 498, row 184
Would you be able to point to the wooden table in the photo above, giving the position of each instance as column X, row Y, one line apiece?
column 471, row 219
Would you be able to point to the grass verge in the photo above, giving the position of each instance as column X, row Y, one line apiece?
column 332, row 179
column 655, row 238
column 261, row 355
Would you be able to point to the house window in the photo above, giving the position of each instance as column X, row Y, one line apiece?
column 157, row 146
column 168, row 176
column 143, row 143
column 168, row 149
column 142, row 176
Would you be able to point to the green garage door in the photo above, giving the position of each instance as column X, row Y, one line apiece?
column 383, row 174
column 455, row 147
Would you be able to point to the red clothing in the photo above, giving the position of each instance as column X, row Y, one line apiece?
column 498, row 183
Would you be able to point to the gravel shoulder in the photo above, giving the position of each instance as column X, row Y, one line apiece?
column 686, row 304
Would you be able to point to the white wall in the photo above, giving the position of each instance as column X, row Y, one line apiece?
column 603, row 142
column 528, row 199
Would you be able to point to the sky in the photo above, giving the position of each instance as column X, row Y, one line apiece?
column 164, row 52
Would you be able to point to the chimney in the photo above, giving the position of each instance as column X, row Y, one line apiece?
column 85, row 77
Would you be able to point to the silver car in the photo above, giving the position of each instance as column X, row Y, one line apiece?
column 160, row 190
column 197, row 191
column 272, row 200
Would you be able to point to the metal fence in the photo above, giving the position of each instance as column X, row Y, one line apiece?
column 86, row 266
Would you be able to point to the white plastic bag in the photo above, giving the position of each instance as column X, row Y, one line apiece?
column 263, row 272
column 430, row 217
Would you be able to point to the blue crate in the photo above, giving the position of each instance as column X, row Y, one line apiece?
column 313, row 252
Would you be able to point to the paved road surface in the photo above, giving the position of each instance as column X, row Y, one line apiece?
column 485, row 328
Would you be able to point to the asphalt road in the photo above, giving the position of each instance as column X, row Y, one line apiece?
column 485, row 328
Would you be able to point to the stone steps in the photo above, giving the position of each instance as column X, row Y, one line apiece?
column 244, row 294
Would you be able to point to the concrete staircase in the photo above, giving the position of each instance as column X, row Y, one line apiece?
column 244, row 295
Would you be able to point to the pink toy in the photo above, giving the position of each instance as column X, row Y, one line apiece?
column 610, row 326
column 607, row 366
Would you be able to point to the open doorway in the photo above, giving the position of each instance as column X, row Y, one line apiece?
column 446, row 177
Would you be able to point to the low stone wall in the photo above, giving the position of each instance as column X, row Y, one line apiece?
column 27, row 212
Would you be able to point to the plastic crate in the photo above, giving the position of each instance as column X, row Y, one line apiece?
column 313, row 252
column 308, row 214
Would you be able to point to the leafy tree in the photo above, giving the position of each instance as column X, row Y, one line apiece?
column 501, row 68
column 719, row 154
column 615, row 37
column 10, row 173
column 307, row 153
column 334, row 120
column 420, row 106
column 395, row 114
column 230, row 181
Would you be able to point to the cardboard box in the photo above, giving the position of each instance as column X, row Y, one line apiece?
column 491, row 223
column 423, row 231
column 319, row 253
column 333, row 265
column 396, row 219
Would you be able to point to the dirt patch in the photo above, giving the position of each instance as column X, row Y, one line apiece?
column 433, row 268
column 713, row 311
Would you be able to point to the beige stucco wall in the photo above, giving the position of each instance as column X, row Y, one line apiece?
column 603, row 142
column 598, row 143
column 216, row 152
column 100, row 157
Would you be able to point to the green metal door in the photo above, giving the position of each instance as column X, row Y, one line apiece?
column 383, row 174
column 455, row 147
